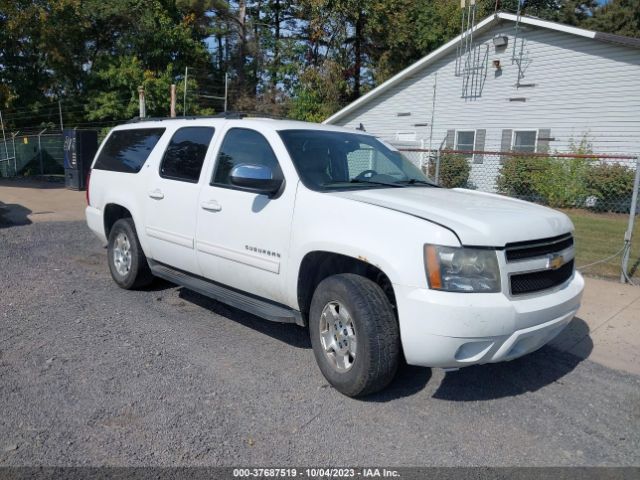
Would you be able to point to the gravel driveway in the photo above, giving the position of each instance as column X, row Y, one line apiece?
column 94, row 375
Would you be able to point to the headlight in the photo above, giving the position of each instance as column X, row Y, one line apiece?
column 462, row 269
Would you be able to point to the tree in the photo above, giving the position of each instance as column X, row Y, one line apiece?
column 304, row 58
column 318, row 93
column 621, row 17
column 577, row 12
column 92, row 53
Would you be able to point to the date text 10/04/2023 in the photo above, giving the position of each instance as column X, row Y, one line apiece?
column 316, row 472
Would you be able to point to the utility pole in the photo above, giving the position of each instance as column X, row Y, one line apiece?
column 15, row 160
column 624, row 278
column 40, row 151
column 433, row 116
column 142, row 106
column 4, row 139
column 433, row 111
column 172, row 109
column 184, row 102
column 60, row 113
column 226, row 90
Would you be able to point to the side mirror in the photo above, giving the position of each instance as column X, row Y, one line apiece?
column 255, row 178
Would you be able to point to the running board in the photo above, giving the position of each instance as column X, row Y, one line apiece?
column 261, row 308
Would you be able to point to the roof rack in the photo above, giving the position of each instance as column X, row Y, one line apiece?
column 162, row 119
column 232, row 115
column 226, row 115
column 249, row 114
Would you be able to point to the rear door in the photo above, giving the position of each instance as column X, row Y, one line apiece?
column 172, row 198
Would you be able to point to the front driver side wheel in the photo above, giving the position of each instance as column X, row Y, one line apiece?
column 354, row 334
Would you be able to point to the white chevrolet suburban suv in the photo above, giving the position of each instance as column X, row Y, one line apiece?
column 334, row 230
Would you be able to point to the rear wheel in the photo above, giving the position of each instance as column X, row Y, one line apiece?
column 127, row 262
column 354, row 334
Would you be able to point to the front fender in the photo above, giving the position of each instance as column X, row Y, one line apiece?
column 390, row 240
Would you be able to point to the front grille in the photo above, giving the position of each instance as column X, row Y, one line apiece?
column 536, row 281
column 537, row 248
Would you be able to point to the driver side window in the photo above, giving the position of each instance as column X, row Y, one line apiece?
column 242, row 146
column 367, row 158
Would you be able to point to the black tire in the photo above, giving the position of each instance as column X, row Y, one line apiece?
column 138, row 275
column 377, row 350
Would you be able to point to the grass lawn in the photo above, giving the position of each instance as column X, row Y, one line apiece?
column 600, row 235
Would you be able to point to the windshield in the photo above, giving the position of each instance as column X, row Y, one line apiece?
column 328, row 160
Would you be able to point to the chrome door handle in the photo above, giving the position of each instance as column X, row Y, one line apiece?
column 157, row 194
column 211, row 206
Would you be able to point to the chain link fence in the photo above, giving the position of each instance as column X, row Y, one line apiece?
column 596, row 191
column 29, row 153
column 6, row 162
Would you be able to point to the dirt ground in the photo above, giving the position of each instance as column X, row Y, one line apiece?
column 27, row 201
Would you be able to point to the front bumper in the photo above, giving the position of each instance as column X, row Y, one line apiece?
column 452, row 330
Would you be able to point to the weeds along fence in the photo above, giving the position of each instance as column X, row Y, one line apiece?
column 596, row 190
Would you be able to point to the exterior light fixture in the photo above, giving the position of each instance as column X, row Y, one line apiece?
column 500, row 41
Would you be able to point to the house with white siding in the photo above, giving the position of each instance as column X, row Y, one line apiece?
column 511, row 83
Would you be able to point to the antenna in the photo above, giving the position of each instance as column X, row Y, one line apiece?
column 517, row 29
column 460, row 48
column 471, row 64
column 518, row 60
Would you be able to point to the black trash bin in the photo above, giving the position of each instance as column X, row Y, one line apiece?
column 80, row 146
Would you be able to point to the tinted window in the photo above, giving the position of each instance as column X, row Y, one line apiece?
column 243, row 146
column 127, row 150
column 365, row 158
column 328, row 160
column 185, row 154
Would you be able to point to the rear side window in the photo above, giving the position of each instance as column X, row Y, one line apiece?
column 127, row 150
column 185, row 154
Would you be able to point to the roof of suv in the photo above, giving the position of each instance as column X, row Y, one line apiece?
column 274, row 124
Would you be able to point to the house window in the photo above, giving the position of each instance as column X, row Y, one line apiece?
column 465, row 142
column 524, row 141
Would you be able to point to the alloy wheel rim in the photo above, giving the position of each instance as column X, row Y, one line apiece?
column 122, row 254
column 338, row 336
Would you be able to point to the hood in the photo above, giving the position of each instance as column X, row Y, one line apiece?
column 477, row 218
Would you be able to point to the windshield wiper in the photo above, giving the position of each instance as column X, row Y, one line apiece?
column 415, row 181
column 386, row 184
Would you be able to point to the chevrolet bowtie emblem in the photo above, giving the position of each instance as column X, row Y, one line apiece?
column 555, row 261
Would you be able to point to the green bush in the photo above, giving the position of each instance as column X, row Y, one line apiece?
column 612, row 185
column 454, row 171
column 568, row 182
column 516, row 177
column 557, row 182
column 562, row 182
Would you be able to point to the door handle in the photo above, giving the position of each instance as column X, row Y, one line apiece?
column 211, row 206
column 157, row 194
